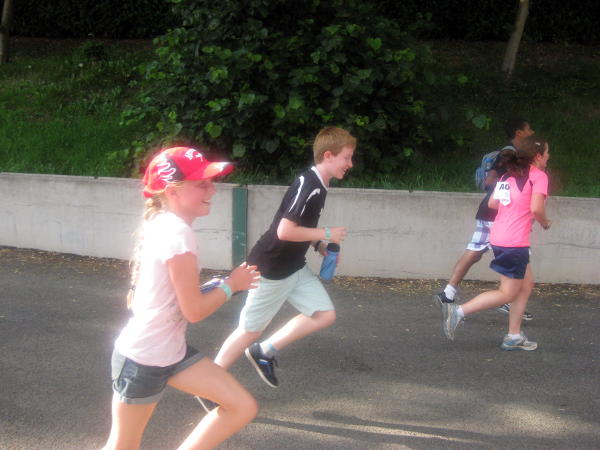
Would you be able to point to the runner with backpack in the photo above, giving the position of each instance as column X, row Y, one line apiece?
column 486, row 175
column 520, row 198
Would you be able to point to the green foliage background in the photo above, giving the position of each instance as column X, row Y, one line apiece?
column 258, row 79
column 60, row 100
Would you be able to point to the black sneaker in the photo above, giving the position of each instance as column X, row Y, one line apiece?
column 527, row 316
column 440, row 298
column 207, row 404
column 262, row 364
column 505, row 309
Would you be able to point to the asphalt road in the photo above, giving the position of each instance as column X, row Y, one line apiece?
column 382, row 377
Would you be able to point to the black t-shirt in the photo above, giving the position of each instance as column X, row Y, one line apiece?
column 302, row 204
column 484, row 212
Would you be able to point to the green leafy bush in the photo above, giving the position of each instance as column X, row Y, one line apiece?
column 259, row 78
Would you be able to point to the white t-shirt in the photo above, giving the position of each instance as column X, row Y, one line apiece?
column 155, row 335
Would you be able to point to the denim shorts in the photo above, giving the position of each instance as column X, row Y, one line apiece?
column 510, row 261
column 136, row 383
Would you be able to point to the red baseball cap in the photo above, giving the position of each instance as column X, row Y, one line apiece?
column 180, row 164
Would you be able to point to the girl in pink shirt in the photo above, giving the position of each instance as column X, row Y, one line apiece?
column 520, row 197
column 151, row 351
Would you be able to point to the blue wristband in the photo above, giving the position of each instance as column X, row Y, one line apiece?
column 327, row 233
column 227, row 290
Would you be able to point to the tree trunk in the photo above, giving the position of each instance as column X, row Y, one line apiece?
column 5, row 30
column 510, row 56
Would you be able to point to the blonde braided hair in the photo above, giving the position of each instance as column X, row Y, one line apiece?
column 153, row 206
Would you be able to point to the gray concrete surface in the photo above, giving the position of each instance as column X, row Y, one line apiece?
column 383, row 377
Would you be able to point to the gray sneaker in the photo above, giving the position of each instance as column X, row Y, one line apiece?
column 518, row 344
column 450, row 319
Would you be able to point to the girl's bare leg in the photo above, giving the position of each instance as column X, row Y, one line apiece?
column 518, row 305
column 128, row 424
column 236, row 406
column 509, row 289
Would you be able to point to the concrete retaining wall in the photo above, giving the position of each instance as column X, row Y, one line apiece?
column 396, row 234
column 94, row 216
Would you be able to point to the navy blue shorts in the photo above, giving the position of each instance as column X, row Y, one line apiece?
column 510, row 261
column 138, row 384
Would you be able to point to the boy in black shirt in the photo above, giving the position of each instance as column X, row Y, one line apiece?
column 516, row 130
column 280, row 257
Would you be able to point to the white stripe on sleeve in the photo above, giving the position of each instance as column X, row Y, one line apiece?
column 298, row 193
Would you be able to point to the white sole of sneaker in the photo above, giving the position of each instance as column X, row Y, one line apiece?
column 510, row 349
column 251, row 359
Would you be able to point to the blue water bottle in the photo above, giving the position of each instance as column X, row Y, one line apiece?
column 329, row 261
column 210, row 285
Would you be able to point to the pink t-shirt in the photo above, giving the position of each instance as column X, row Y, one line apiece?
column 155, row 335
column 512, row 226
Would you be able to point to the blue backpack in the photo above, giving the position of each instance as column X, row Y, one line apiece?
column 486, row 164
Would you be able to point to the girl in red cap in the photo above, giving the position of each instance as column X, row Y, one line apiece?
column 151, row 351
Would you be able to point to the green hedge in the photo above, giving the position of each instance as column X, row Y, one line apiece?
column 257, row 79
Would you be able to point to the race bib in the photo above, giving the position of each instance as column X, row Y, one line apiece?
column 502, row 192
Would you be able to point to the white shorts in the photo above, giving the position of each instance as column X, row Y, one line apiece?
column 480, row 242
column 302, row 289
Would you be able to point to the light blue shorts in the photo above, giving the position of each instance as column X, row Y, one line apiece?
column 302, row 289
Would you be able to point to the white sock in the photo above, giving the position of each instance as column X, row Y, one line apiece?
column 450, row 292
column 514, row 337
column 268, row 349
column 460, row 312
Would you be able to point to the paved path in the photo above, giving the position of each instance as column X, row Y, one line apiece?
column 382, row 377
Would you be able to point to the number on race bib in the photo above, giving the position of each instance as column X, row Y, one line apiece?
column 502, row 192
